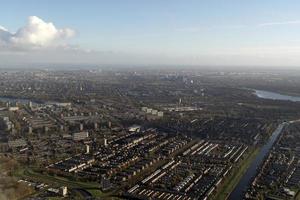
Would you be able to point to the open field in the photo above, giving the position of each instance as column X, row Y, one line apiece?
column 60, row 181
column 9, row 187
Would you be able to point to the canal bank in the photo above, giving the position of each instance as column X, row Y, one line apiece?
column 244, row 183
column 236, row 174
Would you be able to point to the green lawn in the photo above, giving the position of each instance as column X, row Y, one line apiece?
column 60, row 181
column 236, row 174
column 298, row 195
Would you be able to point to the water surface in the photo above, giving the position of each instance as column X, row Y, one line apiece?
column 240, row 190
column 275, row 96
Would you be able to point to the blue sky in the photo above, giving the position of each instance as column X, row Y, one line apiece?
column 216, row 32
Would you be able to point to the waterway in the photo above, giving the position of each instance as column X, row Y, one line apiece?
column 240, row 190
column 275, row 96
column 13, row 100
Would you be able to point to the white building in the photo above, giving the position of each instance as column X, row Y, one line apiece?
column 80, row 135
column 134, row 128
column 14, row 108
column 160, row 114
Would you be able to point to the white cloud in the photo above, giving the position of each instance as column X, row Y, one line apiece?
column 3, row 29
column 35, row 34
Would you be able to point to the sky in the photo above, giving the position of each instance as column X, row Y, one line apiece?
column 155, row 32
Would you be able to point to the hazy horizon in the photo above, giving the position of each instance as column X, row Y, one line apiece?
column 197, row 33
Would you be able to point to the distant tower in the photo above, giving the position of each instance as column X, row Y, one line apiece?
column 64, row 191
column 81, row 126
column 179, row 101
column 30, row 129
column 87, row 149
column 30, row 104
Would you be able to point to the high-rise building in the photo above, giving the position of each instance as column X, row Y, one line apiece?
column 87, row 149
column 64, row 191
column 29, row 129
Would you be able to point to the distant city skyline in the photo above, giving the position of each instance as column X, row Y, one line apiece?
column 132, row 32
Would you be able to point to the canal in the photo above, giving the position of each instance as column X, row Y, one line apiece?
column 240, row 190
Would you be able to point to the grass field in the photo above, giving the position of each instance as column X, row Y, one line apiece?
column 9, row 187
column 298, row 195
column 91, row 187
column 29, row 173
column 236, row 174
